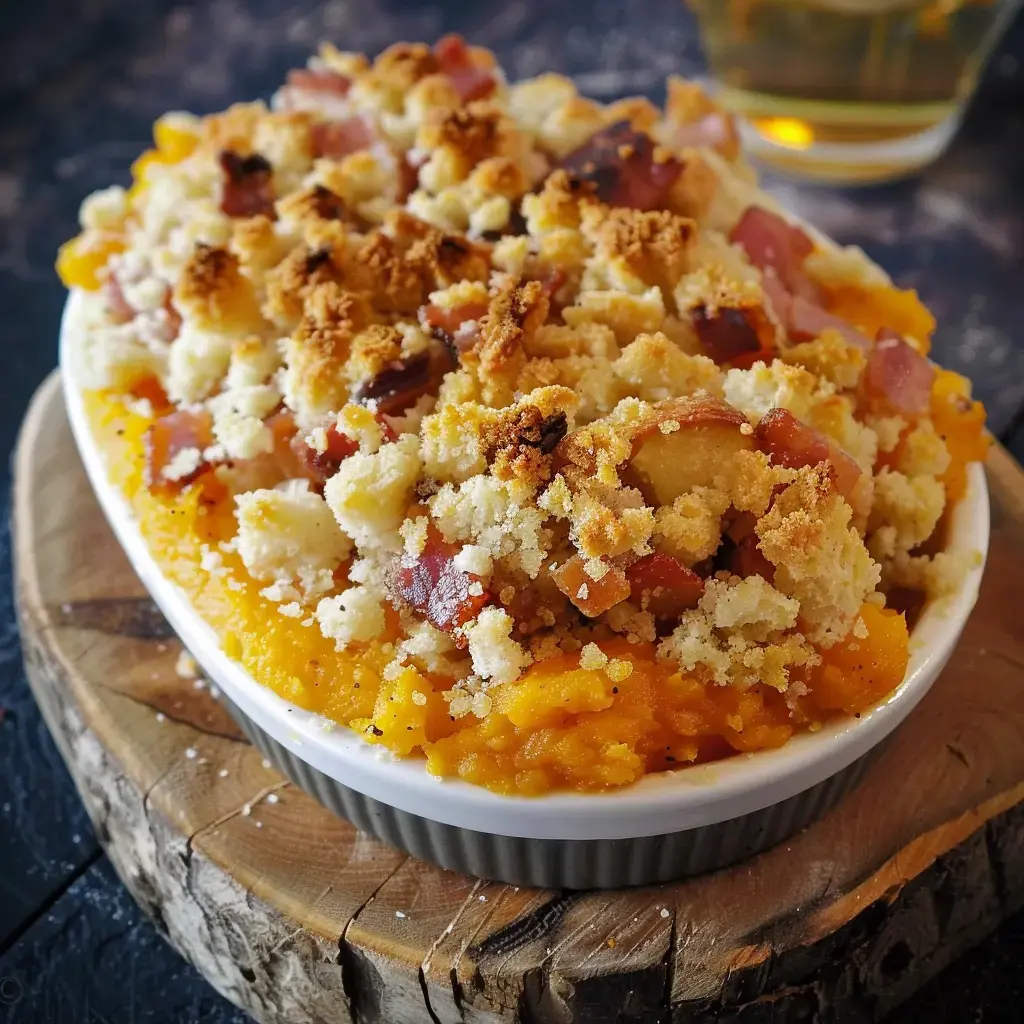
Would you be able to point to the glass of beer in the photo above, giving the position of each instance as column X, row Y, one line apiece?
column 849, row 91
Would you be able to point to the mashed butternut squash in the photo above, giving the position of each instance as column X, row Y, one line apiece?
column 559, row 726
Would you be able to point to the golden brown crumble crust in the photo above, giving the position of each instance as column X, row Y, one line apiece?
column 588, row 317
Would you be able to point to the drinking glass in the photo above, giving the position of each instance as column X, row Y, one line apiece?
column 849, row 91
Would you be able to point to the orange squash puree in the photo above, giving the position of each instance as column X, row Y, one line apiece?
column 557, row 727
column 857, row 673
column 80, row 260
column 961, row 424
column 870, row 309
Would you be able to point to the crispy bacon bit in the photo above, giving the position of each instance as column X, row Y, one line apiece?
column 408, row 178
column 336, row 139
column 455, row 58
column 289, row 459
column 806, row 321
column 747, row 559
column 898, row 376
column 731, row 333
column 323, row 465
column 319, row 81
column 387, row 428
column 398, row 386
column 622, row 165
column 666, row 585
column 773, row 244
column 792, row 443
column 552, row 280
column 781, row 301
column 590, row 596
column 432, row 586
column 524, row 433
column 552, row 430
column 117, row 305
column 326, row 204
column 458, row 328
column 248, row 185
column 166, row 438
column 151, row 390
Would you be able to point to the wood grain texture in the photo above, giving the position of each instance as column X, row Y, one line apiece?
column 297, row 917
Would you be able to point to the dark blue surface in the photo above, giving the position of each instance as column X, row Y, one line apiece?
column 80, row 84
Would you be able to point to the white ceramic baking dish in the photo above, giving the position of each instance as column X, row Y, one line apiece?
column 665, row 826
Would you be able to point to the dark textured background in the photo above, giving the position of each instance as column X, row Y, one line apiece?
column 80, row 84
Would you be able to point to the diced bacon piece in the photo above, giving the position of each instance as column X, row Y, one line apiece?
column 398, row 386
column 166, row 438
column 117, row 304
column 173, row 319
column 747, row 559
column 781, row 301
column 387, row 428
column 408, row 178
column 772, row 243
column 473, row 83
column 590, row 596
column 248, row 185
column 806, row 321
column 898, row 376
column 431, row 585
column 794, row 444
column 728, row 334
column 551, row 280
column 622, row 165
column 458, row 327
column 151, row 390
column 455, row 58
column 319, row 81
column 451, row 51
column 339, row 446
column 320, row 91
column 337, row 139
column 739, row 525
column 289, row 459
column 666, row 585
column 322, row 465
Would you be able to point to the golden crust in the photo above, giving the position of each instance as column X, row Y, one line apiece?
column 515, row 312
column 501, row 339
column 213, row 292
column 292, row 281
column 653, row 245
column 318, row 348
column 371, row 351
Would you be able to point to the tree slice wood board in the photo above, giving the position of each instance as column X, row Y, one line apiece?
column 297, row 917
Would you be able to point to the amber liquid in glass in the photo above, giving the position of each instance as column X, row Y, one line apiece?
column 849, row 90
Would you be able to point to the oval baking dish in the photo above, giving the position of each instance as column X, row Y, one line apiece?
column 666, row 826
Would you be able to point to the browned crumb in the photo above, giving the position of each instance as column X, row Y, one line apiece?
column 372, row 350
column 290, row 283
column 332, row 316
column 214, row 291
column 383, row 271
column 521, row 443
column 472, row 132
column 515, row 312
column 653, row 245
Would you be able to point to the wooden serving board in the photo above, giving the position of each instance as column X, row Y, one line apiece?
column 297, row 917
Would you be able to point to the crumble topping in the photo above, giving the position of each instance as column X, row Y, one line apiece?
column 495, row 374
